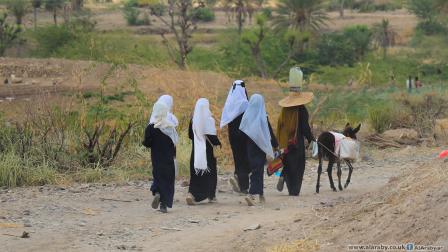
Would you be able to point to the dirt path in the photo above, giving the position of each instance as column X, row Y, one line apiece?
column 78, row 218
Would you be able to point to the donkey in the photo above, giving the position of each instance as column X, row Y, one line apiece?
column 326, row 143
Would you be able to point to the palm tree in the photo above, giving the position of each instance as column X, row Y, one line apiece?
column 300, row 15
column 384, row 35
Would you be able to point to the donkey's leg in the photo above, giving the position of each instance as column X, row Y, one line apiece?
column 339, row 174
column 350, row 170
column 319, row 171
column 330, row 171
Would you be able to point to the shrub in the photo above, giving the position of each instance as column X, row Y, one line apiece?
column 131, row 15
column 424, row 110
column 333, row 49
column 203, row 14
column 360, row 38
column 431, row 27
column 267, row 12
column 380, row 118
column 158, row 9
column 50, row 38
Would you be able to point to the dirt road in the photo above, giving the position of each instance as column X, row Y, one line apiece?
column 100, row 217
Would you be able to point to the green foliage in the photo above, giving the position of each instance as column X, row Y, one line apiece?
column 203, row 14
column 360, row 38
column 8, row 34
column 333, row 49
column 380, row 117
column 51, row 38
column 372, row 6
column 131, row 3
column 131, row 14
column 300, row 15
column 157, row 9
column 431, row 27
column 267, row 12
column 36, row 3
column 52, row 5
column 423, row 9
column 18, row 8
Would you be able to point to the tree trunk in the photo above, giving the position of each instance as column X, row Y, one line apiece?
column 341, row 8
column 55, row 17
column 240, row 18
column 35, row 18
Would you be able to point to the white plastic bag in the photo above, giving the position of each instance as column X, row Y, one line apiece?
column 315, row 150
column 349, row 149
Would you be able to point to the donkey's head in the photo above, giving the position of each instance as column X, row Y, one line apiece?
column 349, row 131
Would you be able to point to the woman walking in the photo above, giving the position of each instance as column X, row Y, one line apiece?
column 260, row 142
column 203, row 171
column 236, row 104
column 292, row 129
column 161, row 137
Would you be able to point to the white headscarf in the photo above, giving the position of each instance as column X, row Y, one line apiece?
column 236, row 103
column 168, row 100
column 255, row 124
column 160, row 119
column 203, row 124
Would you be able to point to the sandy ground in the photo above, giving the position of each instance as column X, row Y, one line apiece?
column 100, row 217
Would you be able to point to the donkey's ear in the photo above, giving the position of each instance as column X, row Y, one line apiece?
column 357, row 129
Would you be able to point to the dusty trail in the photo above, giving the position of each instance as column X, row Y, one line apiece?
column 77, row 219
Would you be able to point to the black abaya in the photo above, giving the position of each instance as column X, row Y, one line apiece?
column 294, row 164
column 163, row 152
column 239, row 151
column 203, row 186
column 257, row 160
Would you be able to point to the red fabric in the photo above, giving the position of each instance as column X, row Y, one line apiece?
column 443, row 154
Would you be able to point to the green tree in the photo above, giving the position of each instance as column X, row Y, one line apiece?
column 8, row 34
column 18, row 8
column 300, row 15
column 36, row 5
column 53, row 6
column 360, row 38
column 384, row 35
column 424, row 9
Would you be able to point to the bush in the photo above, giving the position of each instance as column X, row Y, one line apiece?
column 267, row 12
column 158, row 9
column 131, row 15
column 431, row 27
column 380, row 118
column 50, row 38
column 360, row 37
column 333, row 49
column 203, row 14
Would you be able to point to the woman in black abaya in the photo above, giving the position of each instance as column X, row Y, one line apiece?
column 203, row 170
column 161, row 137
column 236, row 104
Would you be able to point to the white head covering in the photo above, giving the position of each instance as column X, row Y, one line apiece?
column 168, row 100
column 160, row 119
column 236, row 103
column 203, row 124
column 255, row 124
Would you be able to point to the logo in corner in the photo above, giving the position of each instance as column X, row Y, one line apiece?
column 410, row 247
